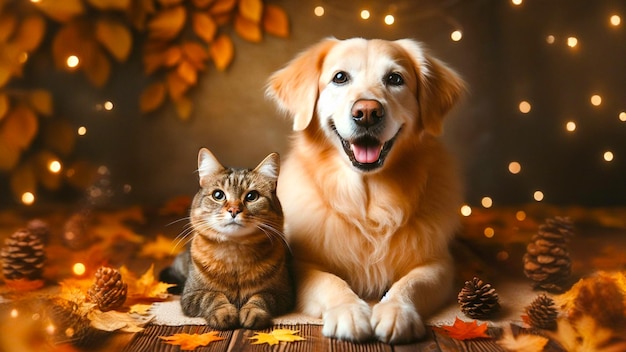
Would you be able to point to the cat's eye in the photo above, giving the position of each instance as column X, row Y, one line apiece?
column 252, row 196
column 340, row 77
column 218, row 195
column 394, row 79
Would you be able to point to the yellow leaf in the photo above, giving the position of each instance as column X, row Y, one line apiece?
column 176, row 85
column 30, row 33
column 8, row 23
column 113, row 320
column 96, row 65
column 19, row 127
column 191, row 341
column 187, row 72
column 184, row 106
column 162, row 247
column 275, row 21
column 23, row 180
column 220, row 7
column 251, row 10
column 201, row 4
column 222, row 52
column 204, row 26
column 276, row 336
column 167, row 23
column 247, row 29
column 195, row 53
column 152, row 97
column 5, row 104
column 141, row 309
column 172, row 56
column 110, row 4
column 521, row 342
column 115, row 37
column 145, row 287
column 61, row 11
column 60, row 137
column 41, row 101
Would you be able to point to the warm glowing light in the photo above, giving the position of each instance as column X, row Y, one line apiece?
column 524, row 107
column 550, row 39
column 596, row 100
column 127, row 188
column 615, row 20
column 486, row 202
column 28, row 198
column 108, row 105
column 389, row 20
column 365, row 14
column 50, row 329
column 54, row 166
column 489, row 232
column 82, row 130
column 538, row 196
column 622, row 116
column 570, row 126
column 72, row 61
column 515, row 167
column 516, row 2
column 319, row 11
column 14, row 313
column 79, row 269
column 456, row 35
column 520, row 215
column 35, row 1
column 608, row 155
column 466, row 210
column 572, row 42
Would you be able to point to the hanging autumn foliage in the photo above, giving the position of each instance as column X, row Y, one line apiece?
column 177, row 39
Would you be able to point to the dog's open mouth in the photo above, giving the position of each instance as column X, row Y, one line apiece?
column 366, row 152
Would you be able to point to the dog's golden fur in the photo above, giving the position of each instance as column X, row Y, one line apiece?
column 370, row 240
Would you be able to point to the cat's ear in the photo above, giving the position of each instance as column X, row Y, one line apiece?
column 207, row 164
column 270, row 166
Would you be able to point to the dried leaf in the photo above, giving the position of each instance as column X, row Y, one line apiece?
column 172, row 56
column 152, row 61
column 110, row 4
column 195, row 54
column 251, row 10
column 247, row 29
column 74, row 290
column 158, row 249
column 521, row 342
column 8, row 22
column 586, row 335
column 61, row 11
column 187, row 72
column 190, row 342
column 184, row 106
column 30, row 33
column 113, row 321
column 19, row 127
column 141, row 309
column 41, row 101
column 176, row 85
column 24, row 285
column 222, row 51
column 115, row 37
column 220, row 7
column 275, row 21
column 152, row 97
column 167, row 23
column 23, row 179
column 145, row 287
column 461, row 330
column 275, row 336
column 4, row 105
column 204, row 26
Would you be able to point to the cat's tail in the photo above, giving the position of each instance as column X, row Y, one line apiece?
column 176, row 273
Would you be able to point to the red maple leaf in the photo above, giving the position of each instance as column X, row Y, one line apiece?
column 462, row 330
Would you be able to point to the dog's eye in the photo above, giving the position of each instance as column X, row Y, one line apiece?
column 394, row 79
column 218, row 195
column 340, row 77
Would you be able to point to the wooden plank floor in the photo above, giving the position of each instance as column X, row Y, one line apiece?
column 238, row 341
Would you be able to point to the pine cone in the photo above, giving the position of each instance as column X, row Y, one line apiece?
column 478, row 299
column 23, row 256
column 70, row 325
column 109, row 291
column 542, row 313
column 547, row 260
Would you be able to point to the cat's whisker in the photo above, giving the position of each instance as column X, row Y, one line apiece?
column 186, row 218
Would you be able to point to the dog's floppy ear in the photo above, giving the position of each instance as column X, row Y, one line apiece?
column 295, row 87
column 439, row 87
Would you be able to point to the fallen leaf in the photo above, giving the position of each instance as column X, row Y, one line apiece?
column 146, row 287
column 176, row 85
column 586, row 335
column 222, row 52
column 141, row 309
column 189, row 342
column 24, row 285
column 115, row 37
column 187, row 72
column 204, row 26
column 521, row 342
column 167, row 23
column 462, row 330
column 251, row 10
column 247, row 29
column 275, row 21
column 220, row 7
column 113, row 321
column 160, row 248
column 276, row 336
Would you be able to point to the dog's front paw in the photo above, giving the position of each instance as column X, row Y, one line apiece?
column 395, row 322
column 348, row 321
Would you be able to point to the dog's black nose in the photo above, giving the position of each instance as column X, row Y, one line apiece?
column 367, row 113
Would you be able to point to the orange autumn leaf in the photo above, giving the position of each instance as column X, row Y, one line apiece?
column 220, row 7
column 222, row 52
column 24, row 285
column 275, row 336
column 145, row 287
column 462, row 330
column 183, row 106
column 162, row 247
column 176, row 206
column 190, row 342
column 115, row 37
column 251, row 9
column 166, row 24
column 247, row 29
column 152, row 97
column 275, row 21
column 204, row 26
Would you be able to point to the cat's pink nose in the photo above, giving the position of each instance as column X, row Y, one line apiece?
column 234, row 210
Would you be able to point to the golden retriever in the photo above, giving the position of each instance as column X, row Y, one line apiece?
column 370, row 195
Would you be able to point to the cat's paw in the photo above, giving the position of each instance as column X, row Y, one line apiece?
column 348, row 321
column 394, row 322
column 223, row 317
column 254, row 318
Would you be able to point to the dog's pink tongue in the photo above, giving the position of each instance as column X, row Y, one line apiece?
column 366, row 154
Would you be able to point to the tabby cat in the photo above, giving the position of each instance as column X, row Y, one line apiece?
column 236, row 273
